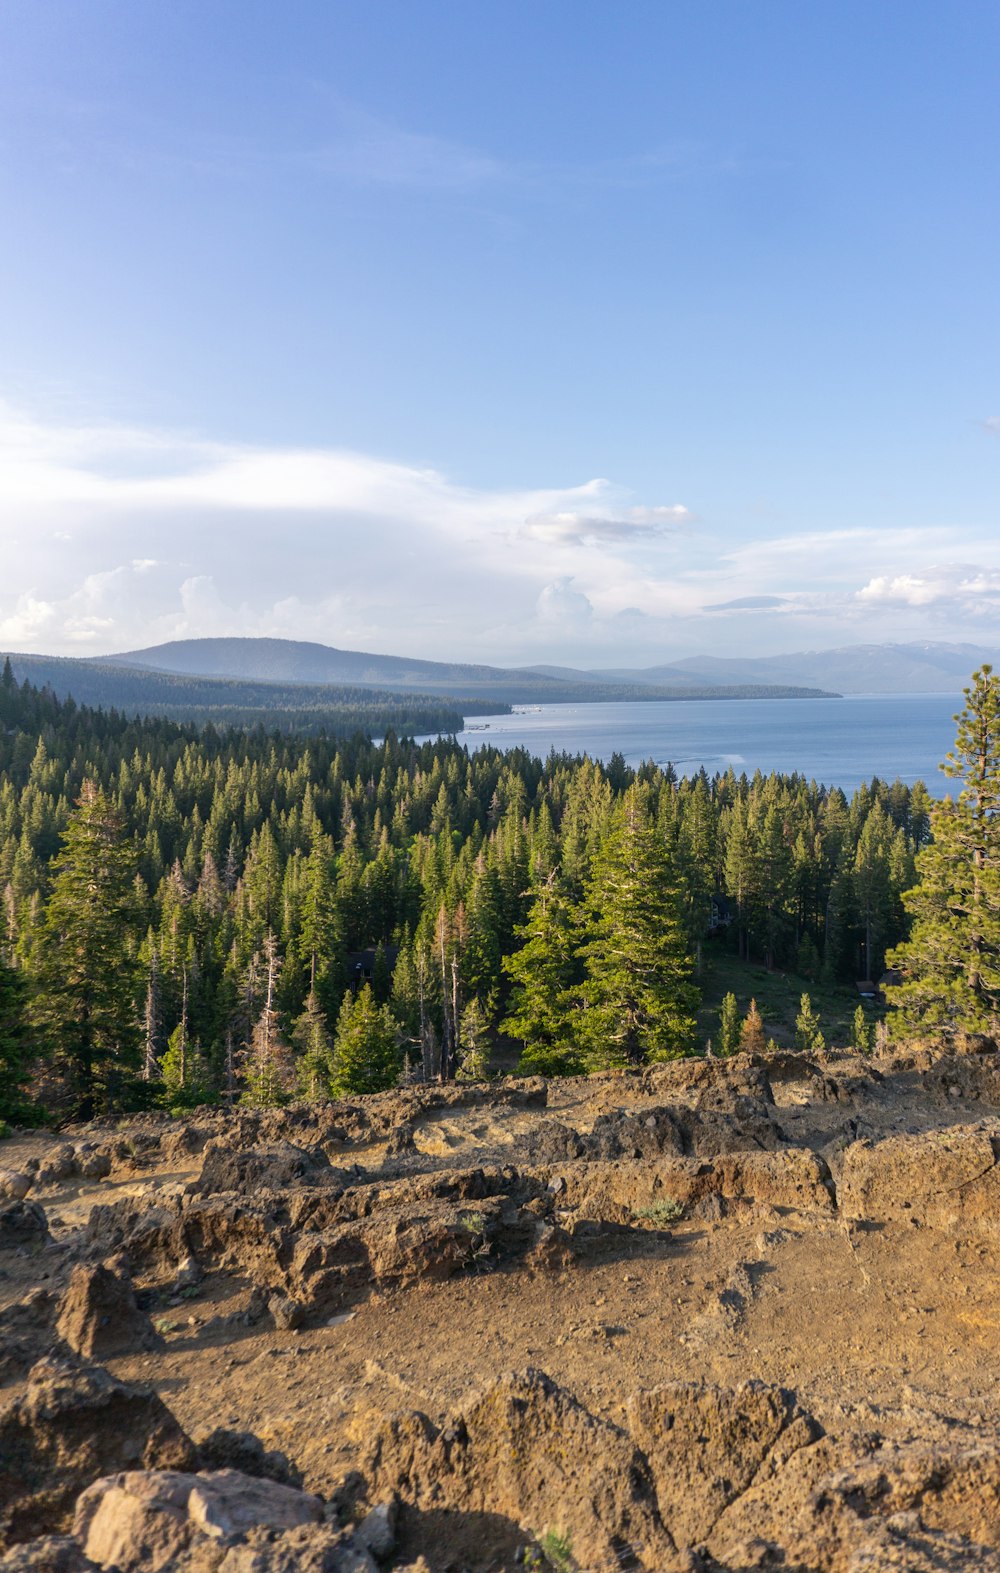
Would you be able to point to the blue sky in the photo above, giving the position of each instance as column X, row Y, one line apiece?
column 533, row 330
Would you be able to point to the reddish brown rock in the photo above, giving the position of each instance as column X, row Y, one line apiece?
column 98, row 1314
column 72, row 1425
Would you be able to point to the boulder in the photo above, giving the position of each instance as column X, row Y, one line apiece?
column 945, row 1178
column 706, row 1444
column 151, row 1520
column 26, row 1330
column 729, row 1119
column 401, row 1143
column 792, row 1179
column 648, row 1133
column 22, row 1223
column 287, row 1314
column 14, row 1185
column 553, row 1142
column 150, row 1231
column 58, row 1165
column 528, row 1451
column 98, row 1314
column 312, row 1548
column 277, row 1165
column 135, row 1520
column 228, row 1503
column 851, row 1506
column 377, row 1530
column 50, row 1554
column 73, row 1424
column 92, row 1162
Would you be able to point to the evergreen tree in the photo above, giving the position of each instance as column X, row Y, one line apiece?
column 14, row 1057
column 639, row 999
column 729, row 1026
column 862, row 1032
column 381, row 975
column 771, row 920
column 697, row 855
column 474, row 1041
column 741, row 874
column 151, row 1015
column 311, row 1041
column 838, row 961
column 87, row 979
column 366, row 1046
column 950, row 965
column 873, row 887
column 544, row 1003
column 184, row 1071
column 807, row 963
column 808, row 1035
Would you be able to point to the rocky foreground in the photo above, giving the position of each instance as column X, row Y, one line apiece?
column 710, row 1316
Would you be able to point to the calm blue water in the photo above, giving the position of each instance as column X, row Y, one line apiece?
column 838, row 742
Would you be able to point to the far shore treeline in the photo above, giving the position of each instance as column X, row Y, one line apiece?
column 194, row 916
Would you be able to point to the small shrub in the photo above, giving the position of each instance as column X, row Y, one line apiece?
column 474, row 1222
column 557, row 1549
column 667, row 1211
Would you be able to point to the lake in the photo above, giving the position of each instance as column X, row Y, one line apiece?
column 839, row 742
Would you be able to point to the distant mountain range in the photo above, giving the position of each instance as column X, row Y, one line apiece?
column 924, row 667
column 291, row 683
column 294, row 661
column 919, row 668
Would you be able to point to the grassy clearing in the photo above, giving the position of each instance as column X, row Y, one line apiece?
column 777, row 994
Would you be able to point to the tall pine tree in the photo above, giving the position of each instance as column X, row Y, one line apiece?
column 950, row 965
column 13, row 1044
column 366, row 1047
column 639, row 998
column 546, row 972
column 87, row 978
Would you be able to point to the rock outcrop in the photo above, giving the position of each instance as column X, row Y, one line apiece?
column 71, row 1425
column 98, row 1314
column 155, row 1519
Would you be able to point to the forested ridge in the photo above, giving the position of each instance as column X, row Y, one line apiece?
column 338, row 708
column 186, row 915
column 373, row 692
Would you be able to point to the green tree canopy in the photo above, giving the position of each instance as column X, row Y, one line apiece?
column 13, row 1043
column 950, row 966
column 639, row 998
column 546, row 972
column 87, row 979
column 366, row 1046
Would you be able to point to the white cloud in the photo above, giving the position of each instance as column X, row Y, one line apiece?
column 164, row 536
column 113, row 537
column 30, row 619
column 954, row 587
column 571, row 528
column 559, row 603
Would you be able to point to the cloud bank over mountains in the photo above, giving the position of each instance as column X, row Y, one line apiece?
column 113, row 536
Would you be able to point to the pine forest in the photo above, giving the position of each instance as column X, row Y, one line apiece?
column 194, row 916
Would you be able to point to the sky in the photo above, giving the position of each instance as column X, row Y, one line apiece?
column 516, row 331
